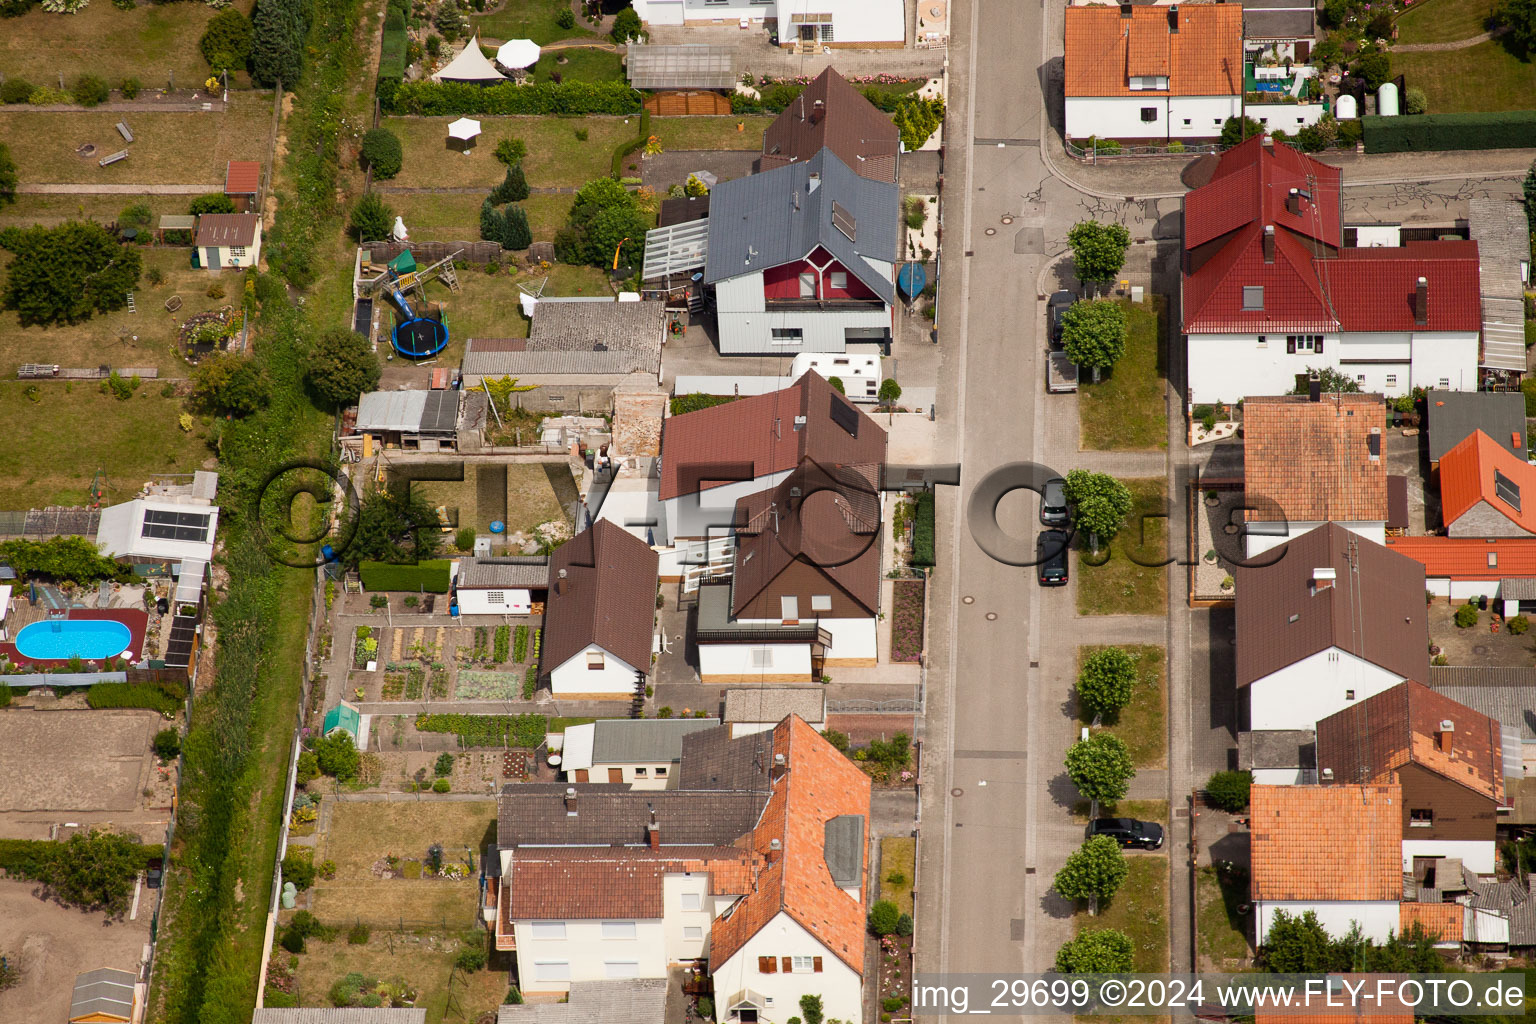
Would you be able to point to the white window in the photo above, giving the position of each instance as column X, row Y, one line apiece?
column 838, row 279
column 661, row 771
column 762, row 657
column 1391, row 380
column 1445, row 382
column 237, row 252
column 595, row 660
column 642, row 773
column 693, row 932
column 552, row 970
column 789, row 608
column 802, row 964
column 621, row 968
column 1186, row 122
column 787, row 335
column 1263, row 342
column 691, row 900
column 549, row 929
column 619, row 930
column 495, row 597
column 1360, row 378
column 821, row 602
column 807, row 286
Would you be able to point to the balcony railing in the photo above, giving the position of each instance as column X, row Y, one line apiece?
column 807, row 634
column 811, row 305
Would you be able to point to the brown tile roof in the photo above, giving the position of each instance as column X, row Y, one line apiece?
column 712, row 760
column 825, row 518
column 758, row 436
column 584, row 883
column 1376, row 613
column 1369, row 741
column 1327, row 842
column 1311, row 461
column 536, row 814
column 242, row 178
column 852, row 127
column 1203, row 58
column 1443, row 920
column 819, row 785
column 222, row 230
column 608, row 597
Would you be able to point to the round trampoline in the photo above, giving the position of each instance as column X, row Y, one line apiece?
column 420, row 338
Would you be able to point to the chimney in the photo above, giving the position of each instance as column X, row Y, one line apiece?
column 653, row 832
column 561, row 586
column 1315, row 388
column 1125, row 10
column 1421, row 302
column 1323, row 577
column 1269, row 243
column 780, row 766
column 1293, row 202
column 775, row 850
column 813, row 182
column 1173, row 19
column 570, row 801
column 817, row 109
column 1444, row 735
column 1327, row 774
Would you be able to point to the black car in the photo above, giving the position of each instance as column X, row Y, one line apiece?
column 1051, row 557
column 1146, row 835
column 1053, row 503
column 1055, row 306
column 153, row 872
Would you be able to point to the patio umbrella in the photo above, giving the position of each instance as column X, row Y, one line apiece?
column 518, row 53
column 709, row 178
column 464, row 129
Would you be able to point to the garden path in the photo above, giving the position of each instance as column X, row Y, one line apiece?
column 1455, row 44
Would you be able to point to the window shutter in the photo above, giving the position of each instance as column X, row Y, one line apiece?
column 1290, row 344
column 816, row 964
column 767, row 965
column 789, row 964
column 1318, row 347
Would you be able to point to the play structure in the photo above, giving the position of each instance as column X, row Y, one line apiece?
column 419, row 330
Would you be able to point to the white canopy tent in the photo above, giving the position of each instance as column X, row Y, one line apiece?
column 470, row 66
column 518, row 53
column 464, row 129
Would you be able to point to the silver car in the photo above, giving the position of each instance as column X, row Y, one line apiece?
column 1053, row 503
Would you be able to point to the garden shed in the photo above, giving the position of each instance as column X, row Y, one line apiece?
column 175, row 222
column 343, row 716
column 229, row 240
column 104, row 996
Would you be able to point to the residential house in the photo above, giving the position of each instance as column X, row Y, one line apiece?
column 859, row 374
column 636, row 1001
column 753, row 709
column 1311, row 461
column 599, row 615
column 242, row 184
column 1280, row 29
column 1334, row 620
column 1331, row 850
column 174, row 527
column 426, row 421
column 1462, row 568
column 1278, row 757
column 1480, row 485
column 866, row 24
column 1506, row 693
column 1447, row 758
column 1152, row 73
column 1270, row 292
column 829, row 113
column 642, row 753
column 508, row 585
column 801, row 258
column 1455, row 416
column 229, row 240
column 754, row 862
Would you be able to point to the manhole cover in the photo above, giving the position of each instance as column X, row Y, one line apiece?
column 991, row 616
column 1480, row 649
column 957, row 791
column 991, row 231
column 967, row 599
column 1007, row 220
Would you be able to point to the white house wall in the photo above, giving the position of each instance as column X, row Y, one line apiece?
column 1227, row 367
column 1119, row 117
column 822, row 330
column 1286, row 117
column 726, row 662
column 1256, row 541
column 635, row 505
column 615, row 677
column 838, row 985
column 479, row 602
column 1378, row 920
column 1478, row 854
column 1307, row 691
column 683, row 943
column 590, row 956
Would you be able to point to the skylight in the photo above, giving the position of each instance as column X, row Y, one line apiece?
column 1253, row 296
column 1507, row 490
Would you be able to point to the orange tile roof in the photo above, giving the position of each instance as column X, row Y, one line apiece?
column 1327, row 842
column 242, row 177
column 1467, row 477
column 819, row 785
column 1308, row 461
column 1470, row 558
column 1443, row 920
column 1203, row 58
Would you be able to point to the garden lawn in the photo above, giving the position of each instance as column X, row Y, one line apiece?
column 168, row 148
column 1140, row 910
column 1479, row 78
column 424, row 961
column 536, row 494
column 528, row 19
column 711, row 132
column 1126, row 410
column 1442, row 21
column 556, row 157
column 1223, row 932
column 582, row 64
column 361, row 833
column 898, row 855
column 52, row 210
column 151, row 42
column 1141, row 724
column 1120, row 586
column 55, row 446
column 455, row 216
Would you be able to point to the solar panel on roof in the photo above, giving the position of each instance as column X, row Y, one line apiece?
column 167, row 525
column 844, row 221
column 1506, row 489
column 845, row 416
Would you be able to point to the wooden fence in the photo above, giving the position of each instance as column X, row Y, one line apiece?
column 686, row 104
column 430, row 252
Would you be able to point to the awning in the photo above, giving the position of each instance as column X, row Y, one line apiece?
column 464, row 128
column 470, row 66
column 176, row 222
column 518, row 53
column 675, row 249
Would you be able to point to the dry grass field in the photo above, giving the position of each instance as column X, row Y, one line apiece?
column 556, row 157
column 535, row 493
column 423, row 961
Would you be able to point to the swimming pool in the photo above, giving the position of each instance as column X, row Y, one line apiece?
column 62, row 639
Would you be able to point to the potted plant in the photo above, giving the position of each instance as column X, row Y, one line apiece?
column 1212, row 499
column 1227, row 583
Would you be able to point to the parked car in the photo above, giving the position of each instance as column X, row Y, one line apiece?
column 153, row 872
column 1051, row 557
column 1145, row 835
column 1055, row 306
column 1053, row 503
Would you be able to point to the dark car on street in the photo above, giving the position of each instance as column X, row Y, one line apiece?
column 1055, row 306
column 153, row 872
column 1051, row 557
column 1053, row 503
column 1145, row 835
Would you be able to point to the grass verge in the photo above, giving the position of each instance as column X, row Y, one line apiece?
column 1121, row 586
column 1223, row 932
column 1140, row 910
column 1127, row 410
column 898, row 856
column 1141, row 724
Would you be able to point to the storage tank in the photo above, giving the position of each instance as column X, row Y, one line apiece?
column 1386, row 100
column 1345, row 110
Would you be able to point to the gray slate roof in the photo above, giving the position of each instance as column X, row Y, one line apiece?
column 516, row 573
column 106, row 990
column 1506, row 694
column 775, row 703
column 639, row 1001
column 843, row 848
column 1455, row 415
column 754, row 224
column 712, row 760
column 1293, row 23
column 329, row 1015
column 629, row 741
column 1518, row 588
column 598, row 326
column 535, row 814
column 499, row 357
column 410, row 412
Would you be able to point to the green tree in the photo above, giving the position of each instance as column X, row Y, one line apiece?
column 1095, row 869
column 381, row 152
column 62, row 559
column 66, row 274
column 1236, row 129
column 371, row 218
column 1100, row 502
column 227, row 383
column 1100, row 767
column 337, row 755
column 1375, row 68
column 1520, row 16
column 917, row 119
column 1105, row 951
column 213, row 202
column 95, row 871
column 1296, row 945
column 226, row 42
column 882, row 917
column 490, row 221
column 1229, row 790
column 7, row 176
column 1105, row 683
column 513, row 187
column 1098, row 250
column 308, row 769
column 514, row 229
column 890, row 392
column 341, row 367
column 810, row 1006
column 389, row 527
column 626, row 26
column 1332, row 381
column 1094, row 333
column 603, row 215
column 277, row 41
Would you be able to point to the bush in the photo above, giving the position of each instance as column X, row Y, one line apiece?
column 292, row 941
column 464, row 540
column 905, row 925
column 1466, row 616
column 167, row 743
column 1229, row 790
column 923, row 530
column 513, row 187
column 341, row 366
column 129, row 87
column 444, row 766
column 44, row 96
column 94, row 871
column 371, row 219
column 226, row 42
column 511, row 150
column 68, row 273
column 358, row 934
column 164, row 697
column 1507, row 129
column 565, row 19
column 438, row 99
column 883, row 917
column 441, row 786
column 213, row 202
column 299, row 870
column 515, row 233
column 337, row 756
column 354, row 990
column 15, row 90
column 626, row 25
column 308, row 768
column 1414, row 100
column 61, row 559
column 90, row 90
column 471, row 959
column 430, row 576
column 1518, row 624
column 382, row 153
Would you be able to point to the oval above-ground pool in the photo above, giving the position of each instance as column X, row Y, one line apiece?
column 62, row 639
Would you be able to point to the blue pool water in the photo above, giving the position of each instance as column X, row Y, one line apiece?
column 61, row 639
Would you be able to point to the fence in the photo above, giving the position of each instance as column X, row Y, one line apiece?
column 28, row 680
column 430, row 252
column 897, row 706
column 54, row 521
column 1094, row 153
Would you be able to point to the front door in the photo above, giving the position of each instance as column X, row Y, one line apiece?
column 211, row 258
column 807, row 35
column 615, row 775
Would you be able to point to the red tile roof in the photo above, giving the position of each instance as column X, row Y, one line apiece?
column 1203, row 58
column 1470, row 558
column 585, row 883
column 1442, row 920
column 1467, row 477
column 1308, row 461
column 1310, row 282
column 758, row 436
column 243, row 177
column 1327, row 842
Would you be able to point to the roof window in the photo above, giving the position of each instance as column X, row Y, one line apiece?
column 1253, row 296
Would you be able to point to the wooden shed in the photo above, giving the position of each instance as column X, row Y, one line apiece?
column 104, row 996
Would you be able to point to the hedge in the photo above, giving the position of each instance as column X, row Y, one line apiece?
column 488, row 730
column 922, row 530
column 392, row 56
column 29, row 858
column 164, row 697
column 1507, row 129
column 430, row 576
column 624, row 149
column 444, row 98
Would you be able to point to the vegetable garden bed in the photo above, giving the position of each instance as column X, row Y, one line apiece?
column 907, row 621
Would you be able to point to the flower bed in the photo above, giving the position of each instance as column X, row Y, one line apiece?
column 478, row 685
column 907, row 621
column 365, row 647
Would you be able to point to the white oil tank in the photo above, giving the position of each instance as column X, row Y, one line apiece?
column 1345, row 109
column 1386, row 100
